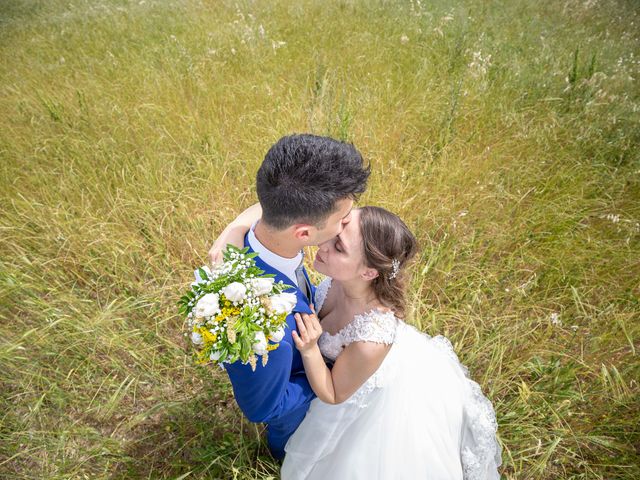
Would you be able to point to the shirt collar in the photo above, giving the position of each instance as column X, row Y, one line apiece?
column 285, row 265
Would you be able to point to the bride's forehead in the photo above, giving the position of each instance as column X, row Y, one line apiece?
column 351, row 230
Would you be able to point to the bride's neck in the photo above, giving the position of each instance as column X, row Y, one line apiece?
column 359, row 294
column 277, row 241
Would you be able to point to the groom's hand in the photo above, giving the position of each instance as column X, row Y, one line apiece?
column 309, row 330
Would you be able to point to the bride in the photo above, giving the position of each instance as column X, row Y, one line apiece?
column 396, row 403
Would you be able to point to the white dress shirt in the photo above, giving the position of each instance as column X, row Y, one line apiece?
column 285, row 265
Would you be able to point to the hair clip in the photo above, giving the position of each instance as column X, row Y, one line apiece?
column 395, row 266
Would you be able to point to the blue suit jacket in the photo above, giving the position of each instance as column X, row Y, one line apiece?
column 279, row 393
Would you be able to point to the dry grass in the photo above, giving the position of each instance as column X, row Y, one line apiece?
column 505, row 133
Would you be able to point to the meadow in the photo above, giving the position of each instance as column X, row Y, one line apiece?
column 505, row 133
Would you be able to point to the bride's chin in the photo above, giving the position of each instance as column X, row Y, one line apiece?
column 319, row 266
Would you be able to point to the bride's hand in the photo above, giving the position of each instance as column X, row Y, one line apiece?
column 309, row 330
column 234, row 233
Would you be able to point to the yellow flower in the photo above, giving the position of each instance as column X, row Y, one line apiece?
column 208, row 336
column 272, row 347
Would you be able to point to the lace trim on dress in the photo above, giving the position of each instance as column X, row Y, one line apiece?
column 480, row 451
column 373, row 326
column 321, row 293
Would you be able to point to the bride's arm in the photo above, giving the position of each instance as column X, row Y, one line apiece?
column 234, row 233
column 354, row 365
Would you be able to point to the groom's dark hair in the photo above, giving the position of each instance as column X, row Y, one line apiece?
column 303, row 176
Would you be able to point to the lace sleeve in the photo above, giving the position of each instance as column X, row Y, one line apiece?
column 374, row 326
column 321, row 293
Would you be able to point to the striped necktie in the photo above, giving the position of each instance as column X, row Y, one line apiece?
column 302, row 280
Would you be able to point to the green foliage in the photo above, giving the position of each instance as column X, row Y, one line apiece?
column 504, row 133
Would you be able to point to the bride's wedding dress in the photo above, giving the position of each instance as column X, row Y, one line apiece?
column 418, row 416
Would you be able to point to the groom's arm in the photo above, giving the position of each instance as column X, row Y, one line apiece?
column 270, row 391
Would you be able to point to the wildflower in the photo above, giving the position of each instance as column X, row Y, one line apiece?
column 555, row 319
column 231, row 334
column 209, row 336
column 265, row 359
column 253, row 361
column 404, row 39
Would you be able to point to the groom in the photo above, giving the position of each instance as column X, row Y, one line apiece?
column 306, row 186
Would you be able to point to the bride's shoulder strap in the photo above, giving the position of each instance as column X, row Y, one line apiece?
column 374, row 326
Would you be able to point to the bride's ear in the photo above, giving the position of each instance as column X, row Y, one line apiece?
column 369, row 273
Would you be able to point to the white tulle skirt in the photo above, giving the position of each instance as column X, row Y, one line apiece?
column 418, row 416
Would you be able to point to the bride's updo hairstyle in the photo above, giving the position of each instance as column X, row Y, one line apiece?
column 386, row 238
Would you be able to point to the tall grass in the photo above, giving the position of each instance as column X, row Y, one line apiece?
column 505, row 133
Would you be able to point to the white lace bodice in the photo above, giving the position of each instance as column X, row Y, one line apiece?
column 373, row 326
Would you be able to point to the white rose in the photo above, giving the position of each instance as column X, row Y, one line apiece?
column 215, row 356
column 283, row 302
column 277, row 335
column 208, row 305
column 196, row 338
column 235, row 292
column 262, row 286
column 260, row 345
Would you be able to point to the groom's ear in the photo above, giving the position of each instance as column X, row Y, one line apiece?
column 370, row 274
column 302, row 232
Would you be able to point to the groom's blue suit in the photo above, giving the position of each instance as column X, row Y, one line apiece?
column 279, row 393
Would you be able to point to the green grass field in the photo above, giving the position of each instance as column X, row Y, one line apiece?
column 505, row 133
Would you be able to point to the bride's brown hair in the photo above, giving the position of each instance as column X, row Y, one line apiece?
column 386, row 238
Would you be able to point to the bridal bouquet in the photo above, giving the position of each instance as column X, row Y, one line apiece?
column 235, row 312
